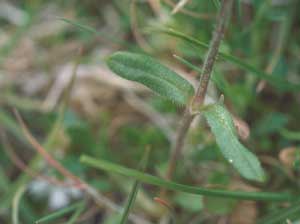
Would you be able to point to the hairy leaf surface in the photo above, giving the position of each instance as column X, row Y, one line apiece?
column 149, row 72
column 275, row 80
column 222, row 126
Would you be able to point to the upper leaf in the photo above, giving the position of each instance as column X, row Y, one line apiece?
column 222, row 126
column 151, row 73
column 275, row 80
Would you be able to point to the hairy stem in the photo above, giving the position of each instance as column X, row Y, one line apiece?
column 179, row 142
column 202, row 88
column 212, row 53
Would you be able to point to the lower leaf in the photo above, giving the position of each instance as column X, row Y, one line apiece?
column 222, row 126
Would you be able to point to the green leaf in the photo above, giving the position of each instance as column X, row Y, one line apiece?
column 148, row 71
column 290, row 135
column 60, row 213
column 271, row 123
column 218, row 80
column 219, row 206
column 147, row 178
column 222, row 126
column 91, row 30
column 77, row 213
column 189, row 202
column 134, row 190
column 281, row 215
column 217, row 4
column 11, row 126
column 16, row 204
column 274, row 80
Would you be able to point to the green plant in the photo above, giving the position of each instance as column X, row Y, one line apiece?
column 151, row 73
column 168, row 84
column 196, row 173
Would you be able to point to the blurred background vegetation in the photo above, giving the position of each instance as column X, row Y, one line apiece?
column 106, row 117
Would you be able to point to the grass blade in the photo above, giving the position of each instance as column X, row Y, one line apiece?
column 15, row 39
column 4, row 180
column 220, row 81
column 290, row 135
column 60, row 213
column 282, row 215
column 98, row 33
column 10, row 125
column 80, row 26
column 274, row 80
column 135, row 188
column 187, row 63
column 217, row 4
column 16, row 204
column 150, row 179
column 76, row 214
column 14, row 128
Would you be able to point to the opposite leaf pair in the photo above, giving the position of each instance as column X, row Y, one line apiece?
column 168, row 84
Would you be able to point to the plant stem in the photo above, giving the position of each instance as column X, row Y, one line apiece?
column 212, row 53
column 179, row 142
column 198, row 99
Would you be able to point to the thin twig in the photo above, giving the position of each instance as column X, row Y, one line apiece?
column 179, row 6
column 135, row 30
column 198, row 99
column 24, row 167
column 40, row 149
column 188, row 12
column 78, row 183
column 155, row 6
column 179, row 142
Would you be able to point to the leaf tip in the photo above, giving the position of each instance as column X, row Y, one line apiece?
column 82, row 158
column 221, row 99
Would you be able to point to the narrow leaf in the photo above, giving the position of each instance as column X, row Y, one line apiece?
column 222, row 126
column 148, row 71
column 76, row 214
column 281, row 215
column 60, row 213
column 102, row 34
column 217, row 4
column 274, row 80
column 16, row 204
column 11, row 126
column 147, row 178
column 135, row 188
column 80, row 26
column 91, row 30
column 220, row 82
column 187, row 63
column 290, row 135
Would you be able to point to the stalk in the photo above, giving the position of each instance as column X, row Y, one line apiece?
column 200, row 94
